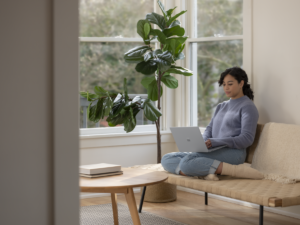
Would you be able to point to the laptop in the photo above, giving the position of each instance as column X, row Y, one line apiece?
column 189, row 139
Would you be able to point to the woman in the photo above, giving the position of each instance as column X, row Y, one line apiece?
column 233, row 124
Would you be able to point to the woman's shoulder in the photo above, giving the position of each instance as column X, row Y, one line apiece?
column 249, row 106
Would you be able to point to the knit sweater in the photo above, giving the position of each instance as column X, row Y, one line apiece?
column 233, row 123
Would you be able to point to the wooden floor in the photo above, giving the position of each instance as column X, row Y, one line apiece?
column 190, row 209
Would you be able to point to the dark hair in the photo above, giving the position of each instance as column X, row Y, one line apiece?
column 239, row 74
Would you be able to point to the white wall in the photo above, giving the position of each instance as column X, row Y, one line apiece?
column 126, row 150
column 36, row 186
column 276, row 67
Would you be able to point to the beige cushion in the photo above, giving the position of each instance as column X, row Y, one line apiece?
column 278, row 150
column 254, row 191
column 251, row 149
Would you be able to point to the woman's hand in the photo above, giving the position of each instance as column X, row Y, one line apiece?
column 208, row 143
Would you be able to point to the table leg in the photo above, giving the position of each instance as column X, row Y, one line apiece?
column 132, row 207
column 115, row 208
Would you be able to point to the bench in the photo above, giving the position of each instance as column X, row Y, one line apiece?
column 262, row 192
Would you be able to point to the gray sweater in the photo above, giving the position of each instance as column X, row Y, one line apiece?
column 233, row 123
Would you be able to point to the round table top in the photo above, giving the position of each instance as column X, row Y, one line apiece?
column 130, row 178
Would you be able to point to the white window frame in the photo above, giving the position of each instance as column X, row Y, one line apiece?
column 176, row 105
column 191, row 86
column 86, row 132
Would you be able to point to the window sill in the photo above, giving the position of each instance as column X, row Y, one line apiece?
column 122, row 139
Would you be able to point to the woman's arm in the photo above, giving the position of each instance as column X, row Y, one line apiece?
column 208, row 131
column 249, row 119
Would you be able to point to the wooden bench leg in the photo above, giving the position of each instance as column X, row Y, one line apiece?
column 142, row 199
column 205, row 198
column 261, row 215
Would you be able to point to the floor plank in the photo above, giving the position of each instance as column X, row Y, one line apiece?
column 190, row 209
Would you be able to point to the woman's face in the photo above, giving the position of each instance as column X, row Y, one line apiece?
column 232, row 88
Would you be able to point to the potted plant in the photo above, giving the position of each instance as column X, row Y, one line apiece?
column 156, row 64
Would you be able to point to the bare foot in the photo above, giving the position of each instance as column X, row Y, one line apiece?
column 182, row 173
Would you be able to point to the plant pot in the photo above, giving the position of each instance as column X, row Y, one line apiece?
column 162, row 192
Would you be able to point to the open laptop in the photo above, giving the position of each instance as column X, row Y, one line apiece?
column 189, row 139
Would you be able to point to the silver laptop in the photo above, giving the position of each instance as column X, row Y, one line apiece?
column 189, row 139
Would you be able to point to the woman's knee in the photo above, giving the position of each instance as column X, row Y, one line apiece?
column 170, row 158
column 191, row 164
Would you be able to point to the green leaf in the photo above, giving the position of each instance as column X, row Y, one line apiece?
column 88, row 110
column 170, row 11
column 157, row 52
column 135, row 55
column 173, row 43
column 152, row 91
column 150, row 111
column 164, row 60
column 160, row 35
column 156, row 19
column 100, row 91
column 107, row 106
column 146, row 30
column 175, row 17
column 180, row 40
column 161, row 6
column 180, row 70
column 118, row 105
column 147, row 80
column 175, row 30
column 136, row 99
column 148, row 56
column 172, row 46
column 99, row 110
column 129, row 122
column 175, row 23
column 92, row 114
column 169, row 81
column 141, row 31
column 179, row 56
column 146, row 68
column 151, row 39
column 88, row 96
column 114, row 121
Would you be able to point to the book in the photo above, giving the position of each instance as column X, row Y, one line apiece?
column 101, row 174
column 99, row 168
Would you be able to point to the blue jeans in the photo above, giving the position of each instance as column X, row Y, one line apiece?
column 201, row 163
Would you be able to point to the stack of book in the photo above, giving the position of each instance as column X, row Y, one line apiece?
column 99, row 170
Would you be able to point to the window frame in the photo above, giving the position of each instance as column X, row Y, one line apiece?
column 246, row 37
column 115, row 130
column 178, row 106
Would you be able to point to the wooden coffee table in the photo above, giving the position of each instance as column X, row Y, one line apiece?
column 123, row 184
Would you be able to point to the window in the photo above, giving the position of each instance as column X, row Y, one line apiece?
column 107, row 31
column 219, row 37
column 219, row 40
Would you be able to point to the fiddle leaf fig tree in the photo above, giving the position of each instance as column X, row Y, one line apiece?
column 156, row 64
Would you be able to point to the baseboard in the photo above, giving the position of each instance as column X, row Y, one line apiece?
column 248, row 204
column 96, row 195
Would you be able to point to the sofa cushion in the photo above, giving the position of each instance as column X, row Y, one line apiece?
column 251, row 148
column 262, row 192
column 278, row 150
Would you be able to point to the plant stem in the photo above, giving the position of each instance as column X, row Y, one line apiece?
column 157, row 122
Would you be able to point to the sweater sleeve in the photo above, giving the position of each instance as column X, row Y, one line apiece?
column 249, row 119
column 208, row 131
